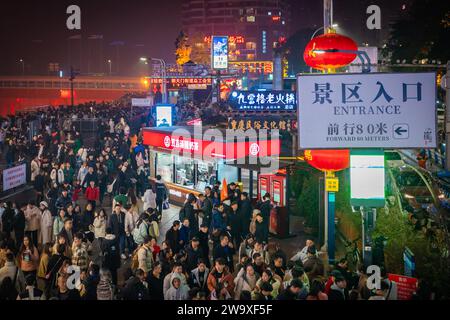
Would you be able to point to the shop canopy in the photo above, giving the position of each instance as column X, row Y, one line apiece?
column 207, row 143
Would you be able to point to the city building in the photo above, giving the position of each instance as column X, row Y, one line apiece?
column 254, row 27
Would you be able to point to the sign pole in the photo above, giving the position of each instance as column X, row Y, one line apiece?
column 331, row 226
column 447, row 118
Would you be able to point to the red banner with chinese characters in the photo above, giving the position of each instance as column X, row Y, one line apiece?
column 211, row 149
column 406, row 286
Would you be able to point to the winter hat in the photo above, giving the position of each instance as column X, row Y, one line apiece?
column 44, row 203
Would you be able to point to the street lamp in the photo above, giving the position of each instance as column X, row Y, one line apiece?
column 23, row 66
column 110, row 68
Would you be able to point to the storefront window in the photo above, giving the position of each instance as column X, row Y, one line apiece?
column 164, row 167
column 245, row 179
column 184, row 170
column 206, row 175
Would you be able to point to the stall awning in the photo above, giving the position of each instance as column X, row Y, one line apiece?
column 208, row 143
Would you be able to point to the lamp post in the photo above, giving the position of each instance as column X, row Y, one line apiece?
column 110, row 68
column 23, row 66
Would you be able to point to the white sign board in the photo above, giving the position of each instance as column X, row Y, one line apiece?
column 219, row 52
column 141, row 102
column 14, row 177
column 372, row 110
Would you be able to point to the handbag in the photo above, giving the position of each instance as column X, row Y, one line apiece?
column 165, row 205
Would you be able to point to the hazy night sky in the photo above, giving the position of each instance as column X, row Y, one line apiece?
column 36, row 30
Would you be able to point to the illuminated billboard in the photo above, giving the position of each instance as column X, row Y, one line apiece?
column 367, row 178
column 164, row 115
column 219, row 52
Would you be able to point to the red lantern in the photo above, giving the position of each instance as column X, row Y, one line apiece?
column 328, row 160
column 316, row 55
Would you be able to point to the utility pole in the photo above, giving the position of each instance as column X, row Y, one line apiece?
column 327, row 15
column 446, row 85
column 73, row 74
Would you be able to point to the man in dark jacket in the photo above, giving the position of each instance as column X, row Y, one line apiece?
column 245, row 211
column 191, row 214
column 225, row 250
column 135, row 288
column 203, row 237
column 292, row 291
column 194, row 253
column 39, row 184
column 262, row 232
column 91, row 282
column 64, row 200
column 111, row 254
column 338, row 289
column 235, row 223
column 155, row 282
column 161, row 193
column 19, row 225
column 173, row 237
column 117, row 224
column 206, row 206
column 8, row 220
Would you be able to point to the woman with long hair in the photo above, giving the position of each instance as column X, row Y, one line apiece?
column 28, row 257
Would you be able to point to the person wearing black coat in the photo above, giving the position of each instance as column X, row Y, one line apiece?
column 292, row 291
column 226, row 251
column 91, row 282
column 8, row 220
column 111, row 254
column 18, row 225
column 117, row 225
column 135, row 289
column 207, row 206
column 155, row 282
column 261, row 233
column 173, row 237
column 161, row 193
column 235, row 223
column 245, row 211
column 54, row 264
column 265, row 208
column 194, row 253
column 39, row 184
column 191, row 213
column 203, row 237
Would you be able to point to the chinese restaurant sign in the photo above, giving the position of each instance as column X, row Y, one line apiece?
column 219, row 53
column 263, row 100
column 267, row 123
column 373, row 110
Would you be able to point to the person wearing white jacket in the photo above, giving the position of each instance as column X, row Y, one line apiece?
column 35, row 168
column 100, row 224
column 61, row 174
column 149, row 199
column 131, row 219
column 46, row 223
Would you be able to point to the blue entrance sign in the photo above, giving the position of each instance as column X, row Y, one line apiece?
column 263, row 100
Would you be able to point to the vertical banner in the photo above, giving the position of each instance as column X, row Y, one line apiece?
column 164, row 115
column 219, row 52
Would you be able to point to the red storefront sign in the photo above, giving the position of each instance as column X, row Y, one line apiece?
column 406, row 286
column 211, row 149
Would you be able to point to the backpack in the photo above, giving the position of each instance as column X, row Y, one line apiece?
column 134, row 260
column 153, row 229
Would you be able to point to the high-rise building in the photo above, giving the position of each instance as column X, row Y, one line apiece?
column 254, row 27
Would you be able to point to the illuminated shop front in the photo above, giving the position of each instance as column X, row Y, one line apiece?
column 188, row 162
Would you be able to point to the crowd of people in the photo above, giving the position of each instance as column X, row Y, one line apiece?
column 98, row 211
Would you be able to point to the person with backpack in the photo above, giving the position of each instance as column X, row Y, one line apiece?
column 161, row 194
column 142, row 229
column 144, row 255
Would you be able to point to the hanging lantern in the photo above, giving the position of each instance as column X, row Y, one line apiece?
column 316, row 55
column 328, row 160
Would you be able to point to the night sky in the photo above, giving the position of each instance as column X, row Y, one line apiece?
column 36, row 30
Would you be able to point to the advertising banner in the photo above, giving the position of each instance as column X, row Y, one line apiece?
column 14, row 177
column 219, row 52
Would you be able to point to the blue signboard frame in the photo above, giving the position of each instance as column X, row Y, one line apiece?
column 164, row 115
column 219, row 52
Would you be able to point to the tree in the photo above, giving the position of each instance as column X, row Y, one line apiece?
column 422, row 33
column 201, row 51
column 182, row 49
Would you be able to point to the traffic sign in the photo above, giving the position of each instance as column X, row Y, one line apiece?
column 372, row 110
